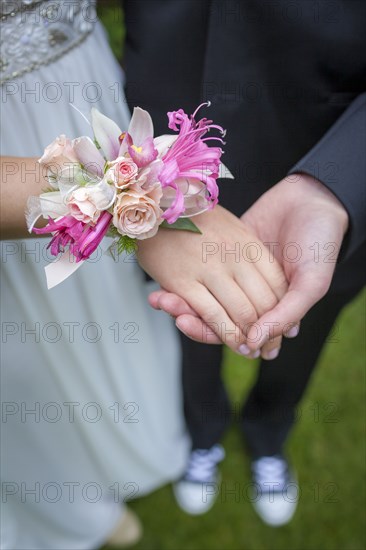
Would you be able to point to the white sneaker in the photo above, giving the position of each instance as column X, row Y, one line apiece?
column 277, row 491
column 197, row 490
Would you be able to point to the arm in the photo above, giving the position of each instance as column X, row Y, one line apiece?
column 20, row 178
column 338, row 161
column 326, row 207
column 300, row 211
column 213, row 285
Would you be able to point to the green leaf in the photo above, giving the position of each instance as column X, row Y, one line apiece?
column 126, row 244
column 121, row 244
column 112, row 231
column 184, row 224
column 49, row 190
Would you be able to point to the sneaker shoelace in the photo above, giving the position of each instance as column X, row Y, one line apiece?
column 202, row 465
column 271, row 473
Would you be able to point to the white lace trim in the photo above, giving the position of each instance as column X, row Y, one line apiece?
column 35, row 33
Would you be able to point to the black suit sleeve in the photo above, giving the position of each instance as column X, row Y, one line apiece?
column 338, row 160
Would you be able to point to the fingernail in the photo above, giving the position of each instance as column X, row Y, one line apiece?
column 256, row 354
column 272, row 354
column 244, row 350
column 293, row 332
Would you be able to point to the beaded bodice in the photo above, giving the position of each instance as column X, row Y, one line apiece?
column 37, row 32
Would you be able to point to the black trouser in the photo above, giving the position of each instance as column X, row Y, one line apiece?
column 269, row 411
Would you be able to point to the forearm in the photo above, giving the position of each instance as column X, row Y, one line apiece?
column 338, row 160
column 20, row 178
column 338, row 164
column 314, row 190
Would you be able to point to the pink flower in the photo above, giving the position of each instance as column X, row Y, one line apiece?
column 190, row 157
column 81, row 205
column 138, row 215
column 142, row 154
column 59, row 152
column 138, row 141
column 122, row 172
column 85, row 203
column 89, row 156
column 82, row 238
column 91, row 238
column 147, row 178
column 106, row 133
column 66, row 231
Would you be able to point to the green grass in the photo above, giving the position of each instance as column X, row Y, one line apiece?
column 327, row 448
column 111, row 14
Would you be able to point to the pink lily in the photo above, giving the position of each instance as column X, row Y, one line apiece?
column 190, row 158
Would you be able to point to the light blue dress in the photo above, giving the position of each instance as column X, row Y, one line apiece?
column 92, row 406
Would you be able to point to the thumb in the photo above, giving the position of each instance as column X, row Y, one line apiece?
column 304, row 291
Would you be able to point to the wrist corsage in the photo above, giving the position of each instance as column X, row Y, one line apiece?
column 125, row 185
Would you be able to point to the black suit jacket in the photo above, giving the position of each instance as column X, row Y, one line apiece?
column 286, row 79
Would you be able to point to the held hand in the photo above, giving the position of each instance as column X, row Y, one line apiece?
column 224, row 277
column 303, row 224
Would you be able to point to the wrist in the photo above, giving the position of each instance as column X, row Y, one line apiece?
column 305, row 183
